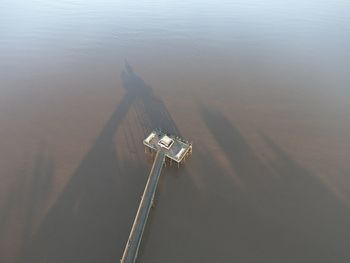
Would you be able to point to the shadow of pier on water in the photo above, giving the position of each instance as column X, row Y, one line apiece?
column 296, row 217
column 91, row 218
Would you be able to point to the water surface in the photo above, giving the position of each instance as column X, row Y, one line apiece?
column 260, row 87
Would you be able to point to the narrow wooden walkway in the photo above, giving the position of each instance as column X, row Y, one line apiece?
column 134, row 240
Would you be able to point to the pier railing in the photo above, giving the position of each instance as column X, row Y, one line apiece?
column 134, row 240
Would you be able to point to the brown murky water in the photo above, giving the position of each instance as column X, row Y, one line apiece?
column 261, row 88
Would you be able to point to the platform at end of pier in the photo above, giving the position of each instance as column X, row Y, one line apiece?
column 172, row 146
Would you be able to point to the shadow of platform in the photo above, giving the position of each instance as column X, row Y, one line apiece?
column 91, row 219
column 284, row 214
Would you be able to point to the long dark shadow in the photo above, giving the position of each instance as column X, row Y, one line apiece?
column 238, row 151
column 90, row 220
column 152, row 109
column 296, row 217
column 305, row 201
column 26, row 198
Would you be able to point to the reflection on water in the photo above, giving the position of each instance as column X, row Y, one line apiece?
column 260, row 87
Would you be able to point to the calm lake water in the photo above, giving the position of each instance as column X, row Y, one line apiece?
column 260, row 87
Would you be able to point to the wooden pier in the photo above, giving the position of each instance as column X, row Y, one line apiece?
column 165, row 146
